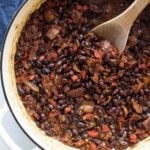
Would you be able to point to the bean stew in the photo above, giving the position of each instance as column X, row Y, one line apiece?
column 74, row 85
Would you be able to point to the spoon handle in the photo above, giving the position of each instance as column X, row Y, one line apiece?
column 127, row 18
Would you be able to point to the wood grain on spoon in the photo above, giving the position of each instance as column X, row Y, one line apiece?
column 117, row 29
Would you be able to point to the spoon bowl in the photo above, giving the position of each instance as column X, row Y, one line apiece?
column 116, row 34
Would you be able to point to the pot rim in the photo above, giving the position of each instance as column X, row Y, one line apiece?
column 2, row 76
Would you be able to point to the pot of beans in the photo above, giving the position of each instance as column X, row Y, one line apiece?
column 69, row 89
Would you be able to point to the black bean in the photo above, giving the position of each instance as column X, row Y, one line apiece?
column 123, row 93
column 81, row 124
column 45, row 70
column 61, row 96
column 18, row 56
column 115, row 91
column 81, row 58
column 62, row 101
column 41, row 51
column 51, row 65
column 20, row 91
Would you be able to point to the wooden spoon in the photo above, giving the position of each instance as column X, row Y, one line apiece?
column 117, row 29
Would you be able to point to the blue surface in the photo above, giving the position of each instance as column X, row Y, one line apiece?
column 7, row 10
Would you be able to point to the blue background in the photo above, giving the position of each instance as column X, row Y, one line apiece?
column 7, row 11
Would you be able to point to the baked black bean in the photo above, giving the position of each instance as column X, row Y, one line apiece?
column 75, row 85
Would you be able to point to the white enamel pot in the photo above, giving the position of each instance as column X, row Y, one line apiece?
column 9, row 84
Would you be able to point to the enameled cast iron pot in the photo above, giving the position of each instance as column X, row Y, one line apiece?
column 10, row 90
